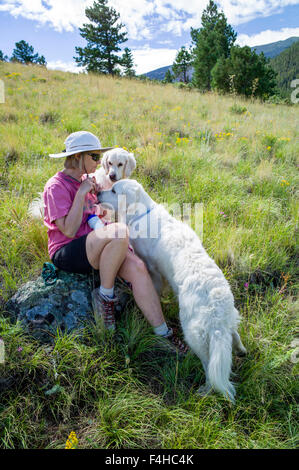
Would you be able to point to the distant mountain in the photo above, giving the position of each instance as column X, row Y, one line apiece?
column 286, row 65
column 275, row 48
column 270, row 51
column 158, row 74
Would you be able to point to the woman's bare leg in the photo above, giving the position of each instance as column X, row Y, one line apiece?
column 134, row 271
column 106, row 249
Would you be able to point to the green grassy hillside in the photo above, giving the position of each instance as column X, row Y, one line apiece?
column 286, row 65
column 238, row 158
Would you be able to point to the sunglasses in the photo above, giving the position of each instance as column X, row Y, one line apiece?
column 95, row 156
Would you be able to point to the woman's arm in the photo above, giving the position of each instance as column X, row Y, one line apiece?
column 70, row 223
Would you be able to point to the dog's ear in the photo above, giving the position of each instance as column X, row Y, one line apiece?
column 104, row 163
column 130, row 165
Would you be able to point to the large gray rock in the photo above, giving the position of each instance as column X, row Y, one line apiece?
column 64, row 306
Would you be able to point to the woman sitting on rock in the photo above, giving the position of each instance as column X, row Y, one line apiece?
column 69, row 200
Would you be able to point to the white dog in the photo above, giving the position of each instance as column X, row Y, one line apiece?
column 208, row 317
column 116, row 164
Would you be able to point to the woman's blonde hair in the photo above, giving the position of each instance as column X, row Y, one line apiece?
column 74, row 161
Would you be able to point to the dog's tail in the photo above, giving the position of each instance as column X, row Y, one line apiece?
column 220, row 362
column 36, row 207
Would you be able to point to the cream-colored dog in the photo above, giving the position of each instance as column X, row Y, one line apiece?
column 116, row 164
column 208, row 316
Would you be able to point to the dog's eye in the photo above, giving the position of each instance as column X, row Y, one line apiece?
column 120, row 164
column 109, row 163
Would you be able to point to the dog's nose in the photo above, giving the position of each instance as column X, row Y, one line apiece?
column 112, row 176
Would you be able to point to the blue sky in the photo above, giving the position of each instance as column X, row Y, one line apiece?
column 156, row 28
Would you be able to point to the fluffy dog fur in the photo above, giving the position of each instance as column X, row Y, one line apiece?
column 116, row 164
column 208, row 317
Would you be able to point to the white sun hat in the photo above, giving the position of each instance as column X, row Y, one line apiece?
column 81, row 141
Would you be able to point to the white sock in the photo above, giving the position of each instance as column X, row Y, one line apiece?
column 163, row 330
column 107, row 292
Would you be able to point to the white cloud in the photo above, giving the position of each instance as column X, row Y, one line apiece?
column 242, row 11
column 68, row 15
column 173, row 16
column 64, row 66
column 266, row 37
column 167, row 42
column 148, row 59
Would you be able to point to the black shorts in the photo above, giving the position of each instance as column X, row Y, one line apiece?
column 72, row 257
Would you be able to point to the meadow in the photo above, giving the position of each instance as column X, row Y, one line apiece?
column 240, row 160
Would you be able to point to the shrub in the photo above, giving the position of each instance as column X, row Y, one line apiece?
column 49, row 117
column 237, row 109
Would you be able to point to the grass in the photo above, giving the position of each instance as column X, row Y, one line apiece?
column 240, row 160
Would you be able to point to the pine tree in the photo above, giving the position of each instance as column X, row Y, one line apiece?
column 212, row 41
column 244, row 73
column 24, row 53
column 182, row 64
column 103, row 35
column 3, row 58
column 168, row 78
column 128, row 63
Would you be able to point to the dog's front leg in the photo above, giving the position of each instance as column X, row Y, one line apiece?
column 155, row 276
column 157, row 281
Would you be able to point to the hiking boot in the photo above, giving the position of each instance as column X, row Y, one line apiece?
column 103, row 308
column 174, row 344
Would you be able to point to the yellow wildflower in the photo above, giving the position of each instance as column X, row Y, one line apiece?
column 72, row 441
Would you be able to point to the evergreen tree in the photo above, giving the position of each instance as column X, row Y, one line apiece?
column 286, row 64
column 128, row 63
column 3, row 58
column 24, row 53
column 244, row 73
column 103, row 35
column 168, row 78
column 182, row 64
column 212, row 41
column 41, row 60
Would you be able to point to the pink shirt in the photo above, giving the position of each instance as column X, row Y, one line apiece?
column 59, row 194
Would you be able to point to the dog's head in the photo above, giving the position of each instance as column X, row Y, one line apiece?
column 124, row 196
column 118, row 164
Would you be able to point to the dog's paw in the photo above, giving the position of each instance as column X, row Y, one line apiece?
column 205, row 390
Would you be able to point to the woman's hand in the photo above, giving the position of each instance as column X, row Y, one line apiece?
column 88, row 186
